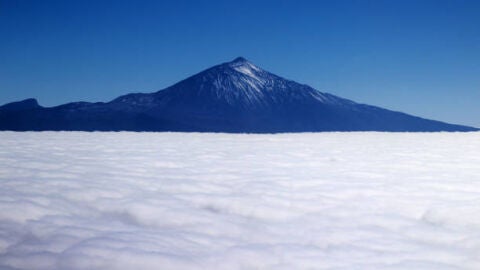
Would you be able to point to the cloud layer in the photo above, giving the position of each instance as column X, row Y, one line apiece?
column 74, row 200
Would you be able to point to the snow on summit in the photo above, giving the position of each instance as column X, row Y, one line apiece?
column 243, row 66
column 122, row 201
column 252, row 77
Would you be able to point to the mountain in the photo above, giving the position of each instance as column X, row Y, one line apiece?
column 236, row 96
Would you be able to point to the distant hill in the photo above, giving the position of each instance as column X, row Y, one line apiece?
column 232, row 97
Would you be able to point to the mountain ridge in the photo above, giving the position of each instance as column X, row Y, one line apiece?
column 235, row 96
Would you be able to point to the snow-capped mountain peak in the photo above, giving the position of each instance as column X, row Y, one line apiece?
column 245, row 67
column 242, row 84
column 238, row 81
column 235, row 96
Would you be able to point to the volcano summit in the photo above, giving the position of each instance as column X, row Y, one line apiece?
column 236, row 96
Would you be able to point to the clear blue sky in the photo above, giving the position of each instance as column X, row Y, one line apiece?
column 420, row 57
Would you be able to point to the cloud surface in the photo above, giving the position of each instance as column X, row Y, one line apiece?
column 75, row 200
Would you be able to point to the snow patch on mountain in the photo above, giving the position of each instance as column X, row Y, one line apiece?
column 247, row 69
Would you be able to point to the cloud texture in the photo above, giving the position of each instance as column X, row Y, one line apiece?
column 74, row 200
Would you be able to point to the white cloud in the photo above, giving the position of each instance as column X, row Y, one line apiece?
column 74, row 200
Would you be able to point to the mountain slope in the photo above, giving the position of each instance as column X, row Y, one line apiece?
column 235, row 96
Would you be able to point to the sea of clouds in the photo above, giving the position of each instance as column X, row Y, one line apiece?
column 75, row 200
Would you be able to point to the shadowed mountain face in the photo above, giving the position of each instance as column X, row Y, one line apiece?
column 232, row 97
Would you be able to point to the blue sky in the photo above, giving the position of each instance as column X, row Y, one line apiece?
column 420, row 57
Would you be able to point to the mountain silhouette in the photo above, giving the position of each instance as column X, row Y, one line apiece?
column 236, row 96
